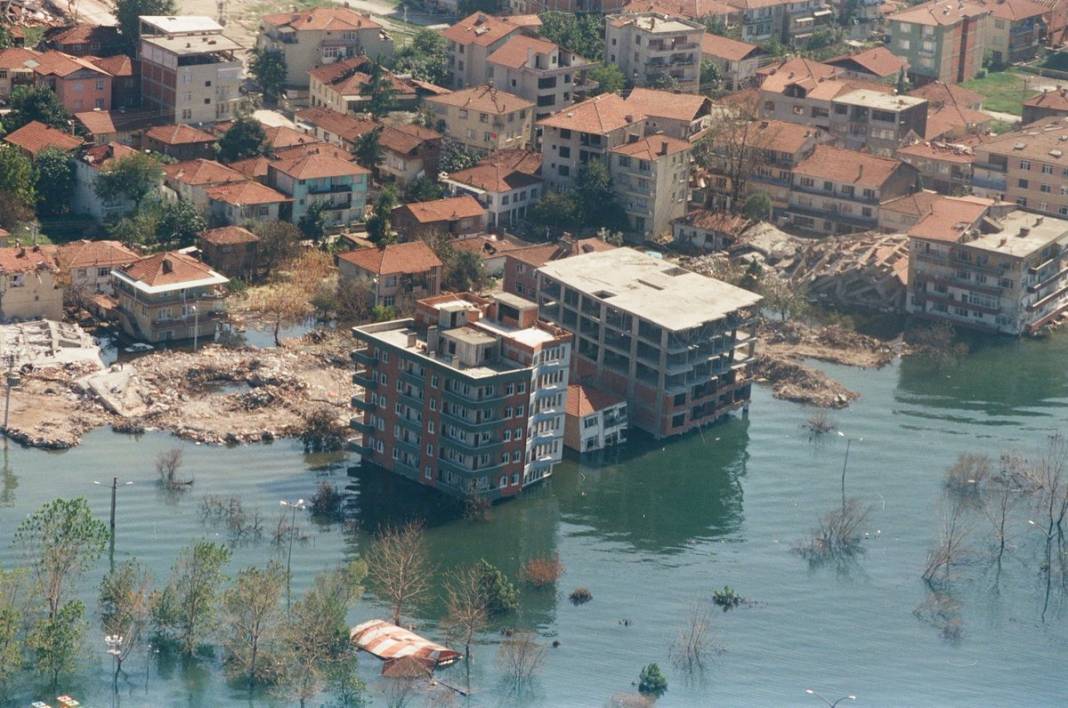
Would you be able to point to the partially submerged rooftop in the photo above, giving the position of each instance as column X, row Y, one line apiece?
column 651, row 288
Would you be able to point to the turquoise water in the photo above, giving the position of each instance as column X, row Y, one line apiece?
column 651, row 530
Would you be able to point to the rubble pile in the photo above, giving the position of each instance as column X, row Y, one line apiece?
column 796, row 382
column 833, row 343
column 868, row 271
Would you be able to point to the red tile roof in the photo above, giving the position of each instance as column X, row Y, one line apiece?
column 939, row 13
column 518, row 50
column 879, row 61
column 1056, row 100
column 1014, row 10
column 317, row 166
column 449, row 209
column 118, row 65
column 85, row 34
column 406, row 139
column 712, row 45
column 917, row 204
column 806, row 73
column 394, row 259
column 228, row 236
column 108, row 122
column 535, row 256
column 179, row 135
column 960, row 151
column 167, row 268
column 202, row 172
column 103, row 254
column 343, row 125
column 253, row 167
column 101, row 155
column 690, row 9
column 281, row 136
column 291, row 153
column 333, row 18
column 495, row 177
column 23, row 259
column 668, row 104
column 653, row 147
column 721, row 221
column 485, row 247
column 953, row 118
column 35, row 137
column 481, row 29
column 938, row 93
column 246, row 193
column 584, row 400
column 847, row 167
column 600, row 114
column 53, row 63
column 950, row 217
column 486, row 99
column 17, row 58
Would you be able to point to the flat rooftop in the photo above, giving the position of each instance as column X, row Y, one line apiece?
column 396, row 333
column 651, row 288
column 878, row 100
column 656, row 25
column 1023, row 234
column 178, row 24
column 190, row 45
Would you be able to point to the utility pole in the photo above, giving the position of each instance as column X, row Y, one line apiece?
column 111, row 550
column 7, row 394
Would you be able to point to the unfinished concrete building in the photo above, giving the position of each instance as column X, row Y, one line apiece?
column 675, row 344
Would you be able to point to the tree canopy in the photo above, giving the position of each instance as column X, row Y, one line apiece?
column 36, row 103
column 129, row 13
column 54, row 173
column 129, row 178
column 269, row 68
column 424, row 57
column 609, row 78
column 244, row 139
column 579, row 33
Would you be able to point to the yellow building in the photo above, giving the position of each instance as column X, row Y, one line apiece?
column 29, row 284
column 484, row 118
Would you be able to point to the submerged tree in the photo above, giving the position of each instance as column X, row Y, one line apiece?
column 467, row 609
column 185, row 610
column 125, row 606
column 398, row 567
column 252, row 617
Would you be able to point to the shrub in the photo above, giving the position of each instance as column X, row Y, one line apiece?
column 727, row 598
column 540, row 572
column 501, row 595
column 580, row 596
column 652, row 681
column 327, row 501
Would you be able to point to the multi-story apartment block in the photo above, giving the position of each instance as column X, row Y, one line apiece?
column 737, row 62
column 1015, row 31
column 539, row 71
column 79, row 84
column 506, row 185
column 345, row 86
column 1049, row 103
column 787, row 21
column 802, row 90
column 470, row 42
column 653, row 49
column 484, row 118
column 87, row 265
column 30, row 284
column 16, row 69
column 876, row 121
column 584, row 132
column 595, row 419
column 125, row 80
column 1006, row 274
column 839, row 191
column 191, row 181
column 942, row 41
column 408, row 152
column 169, row 296
column 681, row 115
column 651, row 179
column 190, row 71
column 322, row 35
column 1027, row 167
column 677, row 345
column 334, row 128
column 339, row 186
column 944, row 166
column 244, row 202
column 467, row 397
column 395, row 273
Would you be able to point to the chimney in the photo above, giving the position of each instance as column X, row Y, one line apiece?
column 412, row 339
column 663, row 148
column 432, row 340
column 168, row 267
column 1024, row 232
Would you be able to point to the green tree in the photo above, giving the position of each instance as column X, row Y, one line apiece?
column 312, row 223
column 179, row 224
column 56, row 641
column 787, row 300
column 757, row 207
column 456, row 156
column 315, row 643
column 129, row 13
column 424, row 57
column 129, row 178
column 138, row 228
column 423, row 189
column 398, row 567
column 184, row 611
column 244, row 139
column 710, row 78
column 252, row 620
column 579, row 33
column 378, row 226
column 598, row 205
column 652, row 681
column 5, row 37
column 16, row 176
column 12, row 612
column 279, row 242
column 59, row 542
column 54, row 177
column 368, row 150
column 125, row 595
column 36, row 103
column 269, row 68
column 556, row 212
column 609, row 78
column 463, row 271
column 500, row 594
column 380, row 87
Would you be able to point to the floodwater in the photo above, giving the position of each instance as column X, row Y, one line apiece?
column 652, row 530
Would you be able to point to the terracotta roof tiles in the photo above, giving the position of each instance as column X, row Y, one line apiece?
column 104, row 254
column 712, row 45
column 667, row 104
column 653, row 147
column 878, row 61
column 35, row 137
column 229, row 236
column 331, row 18
column 847, row 167
column 448, row 209
column 516, row 51
column 23, row 259
column 316, row 166
column 583, row 400
column 406, row 139
column 481, row 29
column 167, row 268
column 179, row 135
column 600, row 114
column 485, row 99
column 246, row 193
column 202, row 172
column 394, row 259
column 345, row 126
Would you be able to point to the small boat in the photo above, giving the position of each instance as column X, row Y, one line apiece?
column 138, row 347
column 390, row 643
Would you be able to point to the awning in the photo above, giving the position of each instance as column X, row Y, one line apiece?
column 389, row 642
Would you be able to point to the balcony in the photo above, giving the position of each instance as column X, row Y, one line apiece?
column 366, row 382
column 362, row 404
column 360, row 356
column 357, row 424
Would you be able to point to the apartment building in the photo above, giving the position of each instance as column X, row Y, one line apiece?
column 334, row 128
column 944, row 166
column 1049, row 103
column 190, row 71
column 337, row 187
column 125, row 80
column 231, row 250
column 84, row 40
column 30, row 284
column 484, row 118
column 467, row 396
column 16, row 69
column 320, row 36
column 586, row 131
column 79, row 84
column 944, row 41
column 706, row 230
column 243, row 202
column 802, row 91
column 540, row 71
column 677, row 345
column 737, row 62
column 651, row 179
column 875, row 64
column 836, row 191
column 446, row 218
column 87, row 168
column 1016, row 30
column 506, row 184
column 396, row 273
column 191, row 181
column 521, row 264
column 470, row 42
column 680, row 115
column 595, row 419
column 652, row 49
column 169, row 296
column 782, row 20
column 345, row 86
column 1027, row 167
column 86, row 265
column 877, row 121
column 408, row 152
column 1006, row 274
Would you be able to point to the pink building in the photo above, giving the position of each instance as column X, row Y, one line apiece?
column 79, row 84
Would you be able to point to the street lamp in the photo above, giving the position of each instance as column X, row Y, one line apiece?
column 114, row 645
column 845, row 462
column 830, row 703
column 196, row 325
column 114, row 488
column 293, row 506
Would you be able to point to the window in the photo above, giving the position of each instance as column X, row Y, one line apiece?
column 430, row 450
column 517, row 456
column 1025, row 164
column 507, row 435
column 430, row 427
column 769, row 106
column 1045, row 188
column 427, row 473
column 1022, row 184
column 522, row 388
column 434, row 381
column 563, row 171
column 565, row 151
column 433, row 404
column 1047, row 169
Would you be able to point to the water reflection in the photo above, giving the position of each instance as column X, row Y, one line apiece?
column 660, row 497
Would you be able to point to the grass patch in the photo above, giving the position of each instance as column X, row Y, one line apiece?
column 1003, row 91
